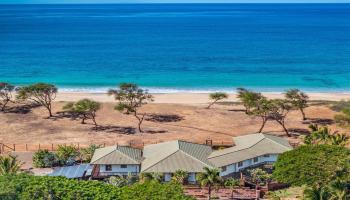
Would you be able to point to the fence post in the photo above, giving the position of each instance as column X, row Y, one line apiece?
column 14, row 147
column 39, row 146
column 51, row 146
column 26, row 147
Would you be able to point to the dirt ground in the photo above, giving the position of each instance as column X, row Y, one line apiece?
column 163, row 122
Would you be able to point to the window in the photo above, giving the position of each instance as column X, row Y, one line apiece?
column 256, row 159
column 108, row 167
column 240, row 164
column 266, row 155
column 123, row 166
column 223, row 168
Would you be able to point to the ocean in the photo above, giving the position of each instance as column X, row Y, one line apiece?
column 177, row 47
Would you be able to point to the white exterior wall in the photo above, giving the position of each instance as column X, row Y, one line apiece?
column 247, row 163
column 118, row 169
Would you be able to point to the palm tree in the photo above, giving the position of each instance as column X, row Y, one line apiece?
column 9, row 165
column 338, row 190
column 339, row 139
column 231, row 183
column 316, row 193
column 209, row 178
column 180, row 176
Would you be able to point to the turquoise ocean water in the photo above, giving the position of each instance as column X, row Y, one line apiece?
column 177, row 47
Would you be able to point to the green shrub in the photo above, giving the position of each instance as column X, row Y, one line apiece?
column 44, row 158
column 313, row 165
column 24, row 187
column 65, row 153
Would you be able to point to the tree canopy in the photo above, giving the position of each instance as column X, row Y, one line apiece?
column 217, row 96
column 298, row 99
column 313, row 165
column 40, row 93
column 130, row 98
column 6, row 90
column 248, row 98
column 85, row 109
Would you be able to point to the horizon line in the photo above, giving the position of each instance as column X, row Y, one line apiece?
column 121, row 3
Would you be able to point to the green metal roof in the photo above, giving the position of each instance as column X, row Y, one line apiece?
column 175, row 155
column 248, row 147
column 117, row 155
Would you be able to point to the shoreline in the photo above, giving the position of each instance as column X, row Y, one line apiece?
column 195, row 98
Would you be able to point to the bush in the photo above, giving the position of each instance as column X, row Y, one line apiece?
column 23, row 187
column 313, row 165
column 44, row 158
column 66, row 153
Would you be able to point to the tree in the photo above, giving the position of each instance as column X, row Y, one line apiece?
column 262, row 109
column 130, row 98
column 180, row 176
column 323, row 135
column 217, row 96
column 279, row 109
column 232, row 184
column 313, row 165
column 117, row 181
column 259, row 176
column 88, row 152
column 316, row 193
column 44, row 158
column 6, row 90
column 85, row 108
column 40, row 93
column 338, row 190
column 248, row 98
column 66, row 154
column 150, row 176
column 298, row 99
column 9, row 165
column 209, row 178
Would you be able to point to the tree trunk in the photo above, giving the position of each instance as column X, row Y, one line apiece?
column 83, row 120
column 140, row 121
column 212, row 103
column 209, row 192
column 303, row 113
column 262, row 125
column 94, row 120
column 50, row 112
column 284, row 128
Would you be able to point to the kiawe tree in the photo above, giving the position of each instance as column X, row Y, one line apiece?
column 248, row 98
column 40, row 93
column 6, row 90
column 278, row 111
column 298, row 99
column 84, row 108
column 130, row 98
column 215, row 97
column 262, row 110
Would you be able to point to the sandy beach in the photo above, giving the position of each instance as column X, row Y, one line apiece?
column 192, row 98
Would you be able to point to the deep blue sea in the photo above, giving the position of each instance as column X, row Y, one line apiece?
column 175, row 47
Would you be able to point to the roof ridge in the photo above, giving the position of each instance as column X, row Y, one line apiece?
column 126, row 154
column 236, row 146
column 194, row 158
column 277, row 142
column 105, row 155
column 160, row 160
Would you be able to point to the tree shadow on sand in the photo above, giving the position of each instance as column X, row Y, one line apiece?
column 21, row 109
column 164, row 118
column 320, row 121
column 301, row 131
column 65, row 115
column 128, row 130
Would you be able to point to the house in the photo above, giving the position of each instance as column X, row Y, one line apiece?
column 168, row 157
column 116, row 161
column 249, row 151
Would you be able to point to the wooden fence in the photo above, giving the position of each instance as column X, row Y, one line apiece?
column 8, row 147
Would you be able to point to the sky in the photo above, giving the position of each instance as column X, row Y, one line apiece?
column 168, row 1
